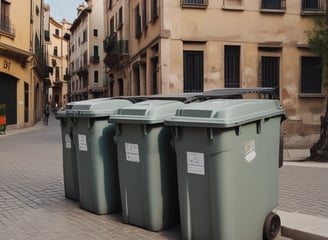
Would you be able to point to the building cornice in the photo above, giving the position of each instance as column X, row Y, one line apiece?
column 17, row 54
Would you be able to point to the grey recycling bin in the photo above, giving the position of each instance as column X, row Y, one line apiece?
column 71, row 185
column 147, row 165
column 70, row 172
column 96, row 155
column 227, row 165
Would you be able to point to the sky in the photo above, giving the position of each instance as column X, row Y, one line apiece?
column 60, row 9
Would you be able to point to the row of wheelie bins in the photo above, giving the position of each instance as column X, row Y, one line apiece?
column 209, row 165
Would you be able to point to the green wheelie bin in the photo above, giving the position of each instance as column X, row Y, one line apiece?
column 227, row 165
column 70, row 172
column 96, row 154
column 147, row 164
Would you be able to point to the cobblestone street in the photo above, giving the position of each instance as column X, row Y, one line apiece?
column 33, row 205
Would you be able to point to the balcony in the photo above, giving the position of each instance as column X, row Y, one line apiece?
column 6, row 26
column 95, row 88
column 313, row 7
column 82, row 71
column 109, row 40
column 273, row 6
column 94, row 59
column 117, row 53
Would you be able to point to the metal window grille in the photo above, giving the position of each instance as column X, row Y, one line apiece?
column 193, row 71
column 270, row 72
column 274, row 4
column 232, row 66
column 313, row 4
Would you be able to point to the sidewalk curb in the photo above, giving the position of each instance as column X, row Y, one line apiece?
column 303, row 227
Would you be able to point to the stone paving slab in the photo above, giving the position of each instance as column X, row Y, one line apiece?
column 33, row 205
column 304, row 227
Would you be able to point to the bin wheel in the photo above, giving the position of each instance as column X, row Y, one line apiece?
column 271, row 226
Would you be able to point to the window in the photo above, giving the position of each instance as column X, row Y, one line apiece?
column 96, row 77
column 154, row 9
column 37, row 10
column 137, row 19
column 194, row 3
column 95, row 57
column 57, row 74
column 231, row 66
column 55, row 51
column 120, row 18
column 144, row 14
column 136, row 76
column 85, row 36
column 311, row 75
column 57, row 32
column 95, row 32
column 112, row 28
column 47, row 35
column 154, row 63
column 270, row 72
column 313, row 7
column 311, row 4
column 5, row 22
column 120, row 87
column 193, row 71
column 110, row 3
column 233, row 4
column 95, row 51
column 273, row 4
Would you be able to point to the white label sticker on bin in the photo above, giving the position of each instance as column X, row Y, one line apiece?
column 68, row 141
column 83, row 143
column 250, row 153
column 132, row 152
column 195, row 163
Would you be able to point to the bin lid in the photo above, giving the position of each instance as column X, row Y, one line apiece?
column 224, row 113
column 147, row 112
column 261, row 92
column 99, row 107
column 182, row 97
column 64, row 112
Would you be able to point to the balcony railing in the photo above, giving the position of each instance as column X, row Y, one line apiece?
column 310, row 7
column 108, row 41
column 94, row 59
column 116, row 52
column 6, row 26
column 119, row 47
column 273, row 5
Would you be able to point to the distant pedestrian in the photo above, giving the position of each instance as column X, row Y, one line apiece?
column 55, row 108
column 46, row 113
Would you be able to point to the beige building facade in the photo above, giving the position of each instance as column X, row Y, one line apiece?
column 57, row 48
column 199, row 45
column 23, row 67
column 86, row 52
